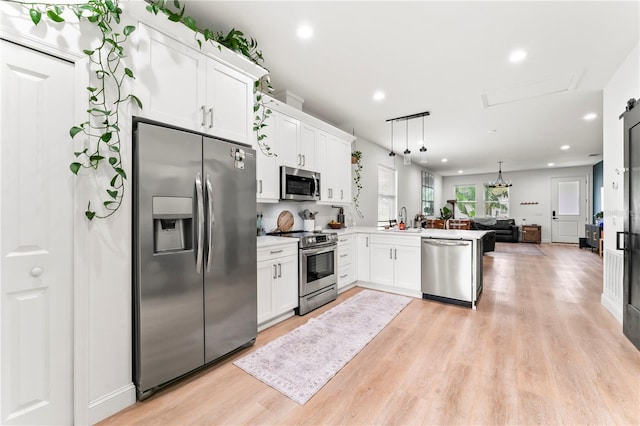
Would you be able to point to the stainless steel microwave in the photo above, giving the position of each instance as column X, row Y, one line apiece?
column 299, row 185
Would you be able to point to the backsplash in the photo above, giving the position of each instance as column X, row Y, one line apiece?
column 325, row 214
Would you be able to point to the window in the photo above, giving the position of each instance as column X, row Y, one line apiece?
column 496, row 202
column 465, row 201
column 427, row 194
column 387, row 201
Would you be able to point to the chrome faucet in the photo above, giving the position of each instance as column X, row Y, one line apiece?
column 403, row 218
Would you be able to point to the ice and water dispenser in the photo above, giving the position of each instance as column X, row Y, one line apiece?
column 172, row 224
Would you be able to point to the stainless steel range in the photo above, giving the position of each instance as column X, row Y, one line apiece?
column 317, row 268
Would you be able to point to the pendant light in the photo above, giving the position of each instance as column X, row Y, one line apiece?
column 392, row 155
column 423, row 149
column 407, row 153
column 500, row 182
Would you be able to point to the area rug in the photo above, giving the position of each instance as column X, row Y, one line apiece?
column 518, row 248
column 301, row 362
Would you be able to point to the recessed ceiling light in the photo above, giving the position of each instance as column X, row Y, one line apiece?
column 550, row 164
column 565, row 147
column 590, row 116
column 444, row 160
column 460, row 171
column 305, row 31
column 378, row 95
column 517, row 56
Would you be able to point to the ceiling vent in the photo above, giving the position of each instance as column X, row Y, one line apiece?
column 547, row 86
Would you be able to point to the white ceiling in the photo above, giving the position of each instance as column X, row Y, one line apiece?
column 441, row 57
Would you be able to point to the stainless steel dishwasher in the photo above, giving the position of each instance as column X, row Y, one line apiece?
column 448, row 271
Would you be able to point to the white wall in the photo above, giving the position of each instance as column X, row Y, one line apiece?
column 409, row 183
column 624, row 84
column 528, row 186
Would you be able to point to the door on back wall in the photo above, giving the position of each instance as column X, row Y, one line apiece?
column 568, row 208
column 36, row 237
column 631, row 286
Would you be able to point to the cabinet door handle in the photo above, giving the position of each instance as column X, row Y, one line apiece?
column 276, row 251
column 211, row 117
column 391, row 254
column 279, row 270
column 204, row 115
column 299, row 160
column 275, row 271
column 343, row 276
column 260, row 186
column 344, row 255
column 304, row 160
column 395, row 254
column 367, row 242
column 342, row 194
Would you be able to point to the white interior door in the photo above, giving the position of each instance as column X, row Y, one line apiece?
column 36, row 237
column 568, row 208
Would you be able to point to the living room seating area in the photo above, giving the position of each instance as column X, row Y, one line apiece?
column 506, row 230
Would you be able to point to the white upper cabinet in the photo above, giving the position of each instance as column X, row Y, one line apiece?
column 181, row 86
column 267, row 166
column 307, row 147
column 335, row 170
column 288, row 140
column 229, row 103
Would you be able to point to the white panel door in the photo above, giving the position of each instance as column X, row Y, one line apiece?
column 381, row 265
column 568, row 208
column 36, row 238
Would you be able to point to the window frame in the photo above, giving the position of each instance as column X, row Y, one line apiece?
column 465, row 214
column 392, row 197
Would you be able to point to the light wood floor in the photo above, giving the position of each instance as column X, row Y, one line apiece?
column 540, row 349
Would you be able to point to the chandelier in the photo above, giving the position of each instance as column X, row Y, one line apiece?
column 500, row 182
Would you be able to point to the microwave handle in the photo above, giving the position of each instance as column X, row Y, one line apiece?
column 315, row 185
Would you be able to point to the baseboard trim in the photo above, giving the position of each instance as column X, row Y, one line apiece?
column 612, row 306
column 111, row 403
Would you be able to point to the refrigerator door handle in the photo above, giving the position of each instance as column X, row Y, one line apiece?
column 212, row 221
column 200, row 236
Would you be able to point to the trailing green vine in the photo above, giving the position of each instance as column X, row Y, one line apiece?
column 234, row 40
column 101, row 131
column 102, row 140
column 357, row 179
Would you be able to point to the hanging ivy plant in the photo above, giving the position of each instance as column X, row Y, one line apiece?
column 101, row 132
column 356, row 157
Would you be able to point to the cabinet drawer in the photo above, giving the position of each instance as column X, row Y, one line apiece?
column 276, row 251
column 345, row 275
column 398, row 240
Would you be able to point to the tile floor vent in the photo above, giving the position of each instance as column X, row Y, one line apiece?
column 546, row 86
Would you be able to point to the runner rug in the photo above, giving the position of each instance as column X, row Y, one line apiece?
column 302, row 361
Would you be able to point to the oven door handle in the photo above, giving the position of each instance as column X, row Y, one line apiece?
column 319, row 250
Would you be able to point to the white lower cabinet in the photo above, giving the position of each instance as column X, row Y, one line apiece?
column 277, row 283
column 363, row 257
column 346, row 260
column 395, row 261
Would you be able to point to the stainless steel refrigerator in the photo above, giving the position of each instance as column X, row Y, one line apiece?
column 194, row 284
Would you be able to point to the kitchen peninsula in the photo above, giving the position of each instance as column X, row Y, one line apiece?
column 394, row 261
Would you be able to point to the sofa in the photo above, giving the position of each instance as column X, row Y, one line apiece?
column 506, row 229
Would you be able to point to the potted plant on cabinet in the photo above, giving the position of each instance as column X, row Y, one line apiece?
column 356, row 156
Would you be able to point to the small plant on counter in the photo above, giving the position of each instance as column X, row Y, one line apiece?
column 357, row 179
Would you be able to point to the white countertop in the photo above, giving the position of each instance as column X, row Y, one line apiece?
column 414, row 232
column 455, row 234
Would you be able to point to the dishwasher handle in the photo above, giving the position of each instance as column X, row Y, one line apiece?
column 446, row 243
